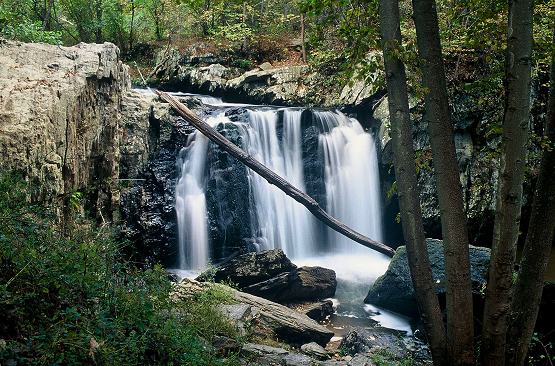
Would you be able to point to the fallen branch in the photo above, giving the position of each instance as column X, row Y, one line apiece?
column 272, row 178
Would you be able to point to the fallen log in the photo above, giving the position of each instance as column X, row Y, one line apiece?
column 272, row 178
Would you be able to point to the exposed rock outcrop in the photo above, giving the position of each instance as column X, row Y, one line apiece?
column 296, row 85
column 300, row 284
column 394, row 289
column 60, row 118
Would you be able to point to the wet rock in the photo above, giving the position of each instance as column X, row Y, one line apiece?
column 301, row 284
column 383, row 341
column 394, row 289
column 227, row 183
column 315, row 350
column 247, row 269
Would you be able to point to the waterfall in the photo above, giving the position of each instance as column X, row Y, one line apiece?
column 190, row 201
column 352, row 178
column 274, row 136
column 279, row 221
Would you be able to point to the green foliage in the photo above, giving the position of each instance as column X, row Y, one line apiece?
column 15, row 24
column 541, row 352
column 384, row 357
column 72, row 299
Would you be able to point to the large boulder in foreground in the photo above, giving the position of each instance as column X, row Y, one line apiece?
column 394, row 289
column 271, row 275
column 262, row 317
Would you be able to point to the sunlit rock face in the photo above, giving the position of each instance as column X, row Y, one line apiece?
column 60, row 119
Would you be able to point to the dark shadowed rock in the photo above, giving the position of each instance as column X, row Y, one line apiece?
column 319, row 310
column 394, row 289
column 301, row 284
column 379, row 340
column 247, row 269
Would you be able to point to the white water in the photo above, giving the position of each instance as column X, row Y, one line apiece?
column 352, row 179
column 352, row 185
column 279, row 222
column 190, row 201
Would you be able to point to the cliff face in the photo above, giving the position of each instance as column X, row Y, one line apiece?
column 60, row 119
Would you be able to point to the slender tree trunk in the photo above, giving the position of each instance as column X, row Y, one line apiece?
column 530, row 281
column 98, row 32
column 272, row 178
column 303, row 46
column 460, row 329
column 509, row 196
column 132, row 25
column 405, row 175
column 47, row 22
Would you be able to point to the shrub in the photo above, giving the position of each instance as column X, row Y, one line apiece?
column 71, row 298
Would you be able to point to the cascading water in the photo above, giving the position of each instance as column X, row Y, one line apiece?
column 352, row 178
column 279, row 221
column 348, row 184
column 190, row 204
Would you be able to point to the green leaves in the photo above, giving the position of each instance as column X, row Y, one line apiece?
column 70, row 297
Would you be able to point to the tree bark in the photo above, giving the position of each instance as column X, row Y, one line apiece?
column 131, row 25
column 509, row 197
column 98, row 31
column 405, row 175
column 272, row 177
column 537, row 248
column 303, row 46
column 460, row 330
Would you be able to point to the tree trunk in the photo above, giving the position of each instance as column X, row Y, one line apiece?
column 511, row 178
column 272, row 177
column 460, row 330
column 98, row 32
column 303, row 46
column 530, row 280
column 405, row 175
column 131, row 25
column 47, row 22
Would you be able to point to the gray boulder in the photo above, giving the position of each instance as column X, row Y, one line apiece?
column 394, row 289
column 315, row 350
column 264, row 318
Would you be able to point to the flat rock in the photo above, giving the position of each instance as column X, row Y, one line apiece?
column 262, row 349
column 264, row 317
column 315, row 350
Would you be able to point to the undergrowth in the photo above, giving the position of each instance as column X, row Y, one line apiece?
column 68, row 297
